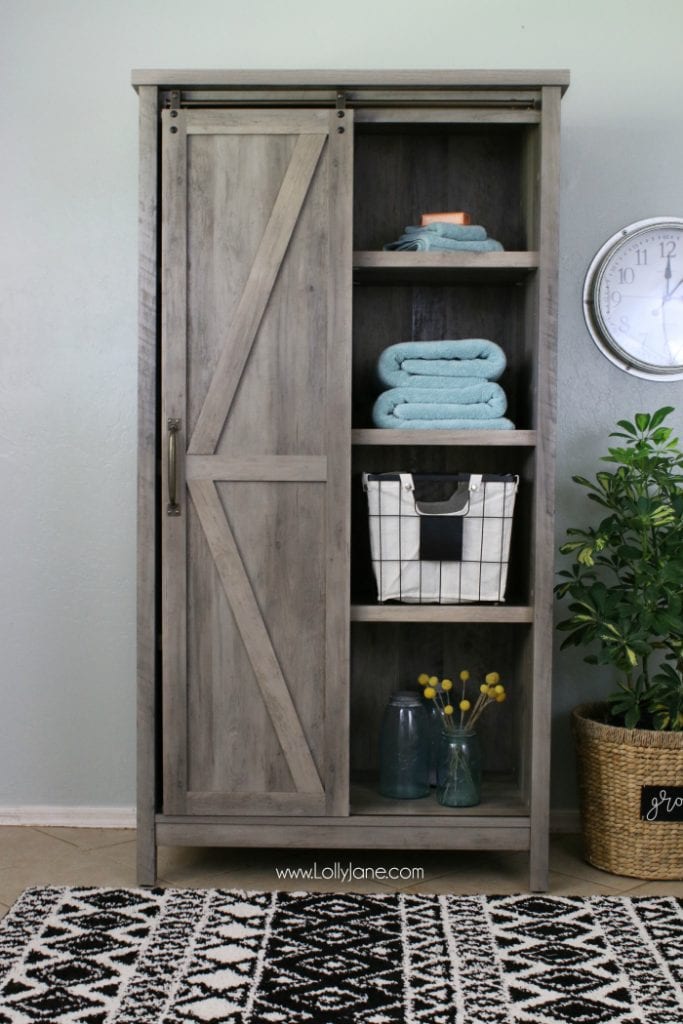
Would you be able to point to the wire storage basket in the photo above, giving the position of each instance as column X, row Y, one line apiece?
column 440, row 538
column 628, row 785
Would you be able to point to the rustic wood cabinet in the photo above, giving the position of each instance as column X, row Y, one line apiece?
column 264, row 660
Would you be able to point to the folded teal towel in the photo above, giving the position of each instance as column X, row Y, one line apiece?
column 459, row 232
column 435, row 243
column 496, row 424
column 427, row 363
column 479, row 401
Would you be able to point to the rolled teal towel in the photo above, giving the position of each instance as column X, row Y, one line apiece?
column 423, row 363
column 479, row 401
column 435, row 243
column 458, row 232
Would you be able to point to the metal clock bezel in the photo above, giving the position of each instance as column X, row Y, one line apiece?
column 600, row 333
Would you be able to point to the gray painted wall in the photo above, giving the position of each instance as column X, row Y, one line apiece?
column 67, row 380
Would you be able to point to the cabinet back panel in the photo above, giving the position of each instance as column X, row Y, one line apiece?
column 401, row 175
column 447, row 459
column 385, row 315
column 390, row 656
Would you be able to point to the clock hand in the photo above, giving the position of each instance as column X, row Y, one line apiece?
column 669, row 351
column 667, row 277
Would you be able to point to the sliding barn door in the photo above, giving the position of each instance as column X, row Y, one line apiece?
column 255, row 428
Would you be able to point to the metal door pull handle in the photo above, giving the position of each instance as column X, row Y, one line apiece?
column 173, row 508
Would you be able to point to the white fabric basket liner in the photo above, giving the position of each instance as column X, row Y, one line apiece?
column 486, row 510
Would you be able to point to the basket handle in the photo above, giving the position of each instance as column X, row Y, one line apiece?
column 457, row 505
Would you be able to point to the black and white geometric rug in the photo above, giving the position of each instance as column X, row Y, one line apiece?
column 134, row 956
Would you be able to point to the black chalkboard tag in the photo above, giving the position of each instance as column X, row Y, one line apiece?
column 661, row 803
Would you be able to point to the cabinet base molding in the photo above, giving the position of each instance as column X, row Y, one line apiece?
column 466, row 834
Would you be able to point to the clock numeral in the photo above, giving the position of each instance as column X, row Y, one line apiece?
column 627, row 275
column 641, row 257
column 615, row 298
column 624, row 324
column 667, row 249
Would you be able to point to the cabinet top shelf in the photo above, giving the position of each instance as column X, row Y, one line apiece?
column 398, row 79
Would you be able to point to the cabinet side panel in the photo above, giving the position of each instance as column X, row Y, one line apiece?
column 146, row 527
column 545, row 492
column 338, row 432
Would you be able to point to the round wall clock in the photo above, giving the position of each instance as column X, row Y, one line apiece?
column 633, row 298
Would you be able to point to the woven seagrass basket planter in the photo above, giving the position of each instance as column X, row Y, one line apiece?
column 614, row 764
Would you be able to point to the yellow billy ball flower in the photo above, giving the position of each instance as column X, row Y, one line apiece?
column 464, row 676
column 490, row 691
column 446, row 685
column 500, row 697
column 492, row 678
column 448, row 710
column 430, row 691
column 434, row 681
column 423, row 679
column 483, row 688
column 500, row 688
column 464, row 705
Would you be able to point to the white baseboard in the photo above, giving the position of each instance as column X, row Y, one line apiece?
column 566, row 821
column 69, row 817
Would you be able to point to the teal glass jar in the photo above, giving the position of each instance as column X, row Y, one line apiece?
column 404, row 748
column 458, row 768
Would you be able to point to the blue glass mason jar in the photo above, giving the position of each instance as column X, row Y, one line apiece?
column 404, row 744
column 458, row 768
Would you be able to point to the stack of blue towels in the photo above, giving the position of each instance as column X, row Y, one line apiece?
column 447, row 385
column 443, row 237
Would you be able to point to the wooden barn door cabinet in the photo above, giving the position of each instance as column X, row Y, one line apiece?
column 264, row 659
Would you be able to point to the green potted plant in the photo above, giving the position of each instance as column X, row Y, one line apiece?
column 625, row 591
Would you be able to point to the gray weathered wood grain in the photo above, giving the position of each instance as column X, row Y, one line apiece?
column 146, row 488
column 173, row 405
column 254, row 633
column 544, row 511
column 252, row 304
column 511, row 78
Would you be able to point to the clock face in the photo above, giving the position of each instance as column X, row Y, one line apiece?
column 633, row 298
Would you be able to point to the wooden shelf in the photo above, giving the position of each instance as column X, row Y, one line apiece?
column 476, row 438
column 500, row 797
column 380, row 267
column 441, row 613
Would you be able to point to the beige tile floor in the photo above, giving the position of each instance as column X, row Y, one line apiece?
column 74, row 856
